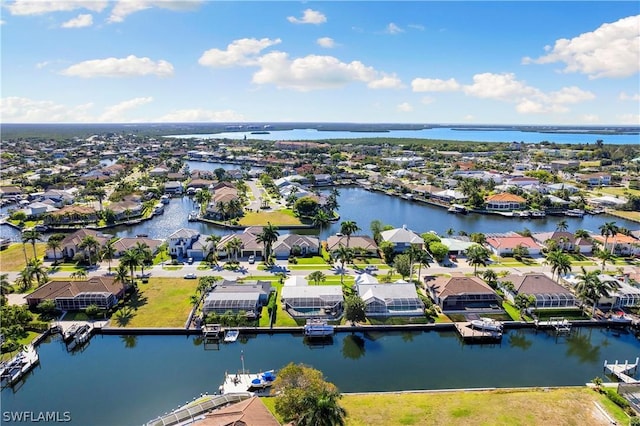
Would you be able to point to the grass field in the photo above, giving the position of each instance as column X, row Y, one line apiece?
column 634, row 216
column 276, row 218
column 12, row 258
column 163, row 302
column 566, row 406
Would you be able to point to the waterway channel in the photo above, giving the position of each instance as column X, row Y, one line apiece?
column 127, row 380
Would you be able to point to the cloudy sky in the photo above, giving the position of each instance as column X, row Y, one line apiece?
column 365, row 61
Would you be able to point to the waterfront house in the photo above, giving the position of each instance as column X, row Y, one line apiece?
column 548, row 293
column 10, row 191
column 457, row 245
column 173, row 187
column 75, row 295
column 237, row 297
column 181, row 241
column 607, row 201
column 128, row 243
column 503, row 246
column 402, row 238
column 505, row 201
column 311, row 301
column 74, row 214
column 449, row 196
column 250, row 411
column 623, row 245
column 594, row 179
column 249, row 244
column 624, row 295
column 38, row 209
column 366, row 278
column 59, row 197
column 565, row 240
column 126, row 209
column 69, row 246
column 360, row 243
column 294, row 244
column 521, row 181
column 387, row 300
column 460, row 292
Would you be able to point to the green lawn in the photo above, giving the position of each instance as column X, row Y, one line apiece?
column 163, row 302
column 570, row 314
column 12, row 258
column 512, row 311
column 314, row 260
column 282, row 217
column 76, row 316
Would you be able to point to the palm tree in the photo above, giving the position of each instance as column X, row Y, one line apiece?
column 605, row 256
column 560, row 262
column 376, row 228
column 121, row 277
column 317, row 277
column 415, row 253
column 31, row 236
column 349, row 227
column 322, row 410
column 582, row 233
column 203, row 197
column 321, row 219
column 233, row 246
column 24, row 280
column 477, row 256
column 591, row 287
column 609, row 229
column 90, row 244
column 100, row 194
column 344, row 255
column 490, row 276
column 213, row 249
column 146, row 256
column 107, row 252
column 5, row 286
column 80, row 274
column 54, row 244
column 267, row 237
column 562, row 226
column 36, row 269
column 131, row 259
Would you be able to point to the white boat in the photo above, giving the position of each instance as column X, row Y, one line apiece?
column 20, row 365
column 231, row 336
column 318, row 328
column 487, row 324
column 538, row 213
column 457, row 208
column 574, row 213
column 165, row 199
column 259, row 383
column 193, row 216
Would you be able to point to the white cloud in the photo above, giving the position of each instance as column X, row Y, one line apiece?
column 39, row 7
column 404, row 107
column 43, row 64
column 124, row 8
column 116, row 113
column 632, row 97
column 418, row 27
column 434, row 85
column 386, row 82
column 633, row 119
column 393, row 29
column 590, row 118
column 309, row 16
column 240, row 52
column 25, row 110
column 83, row 20
column 426, row 100
column 612, row 50
column 327, row 42
column 311, row 72
column 125, row 67
column 2, row 22
column 200, row 115
column 503, row 87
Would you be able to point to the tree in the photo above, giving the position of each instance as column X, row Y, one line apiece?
column 520, row 251
column 54, row 245
column 144, row 251
column 37, row 270
column 213, row 248
column 131, row 259
column 349, row 227
column 107, row 252
column 605, row 256
column 322, row 410
column 294, row 387
column 438, row 250
column 491, row 278
column 591, row 287
column 203, row 197
column 90, row 245
column 267, row 237
column 402, row 264
column 354, row 309
column 317, row 277
column 321, row 219
column 376, row 230
column 387, row 249
column 31, row 236
column 121, row 277
column 233, row 246
column 562, row 226
column 609, row 229
column 343, row 255
column 477, row 256
column 5, row 287
column 582, row 233
column 560, row 262
column 478, row 238
column 415, row 253
column 524, row 301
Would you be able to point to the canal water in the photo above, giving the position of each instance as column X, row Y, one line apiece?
column 363, row 207
column 128, row 380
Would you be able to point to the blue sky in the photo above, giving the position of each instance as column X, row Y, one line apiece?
column 365, row 61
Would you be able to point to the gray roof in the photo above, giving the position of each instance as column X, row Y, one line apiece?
column 401, row 235
column 320, row 291
column 387, row 292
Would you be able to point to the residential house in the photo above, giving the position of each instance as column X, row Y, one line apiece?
column 624, row 295
column 75, row 295
column 385, row 300
column 594, row 179
column 294, row 244
column 159, row 171
column 250, row 411
column 622, row 245
column 69, row 246
column 181, row 241
column 503, row 246
column 361, row 243
column 72, row 215
column 521, row 181
column 565, row 240
column 402, row 238
column 128, row 243
column 459, row 292
column 237, row 297
column 301, row 300
column 547, row 292
column 125, row 210
column 173, row 187
column 249, row 245
column 505, row 201
column 10, row 191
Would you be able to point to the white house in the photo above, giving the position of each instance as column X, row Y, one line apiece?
column 181, row 241
column 402, row 238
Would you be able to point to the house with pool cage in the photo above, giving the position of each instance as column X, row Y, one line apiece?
column 75, row 295
column 301, row 300
column 547, row 292
column 236, row 297
column 390, row 299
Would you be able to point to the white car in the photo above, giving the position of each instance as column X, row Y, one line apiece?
column 190, row 276
column 252, row 259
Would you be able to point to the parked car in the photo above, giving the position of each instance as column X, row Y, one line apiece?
column 252, row 259
column 190, row 276
column 190, row 261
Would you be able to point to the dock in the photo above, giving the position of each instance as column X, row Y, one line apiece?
column 559, row 324
column 21, row 364
column 255, row 383
column 469, row 333
column 212, row 331
column 621, row 370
